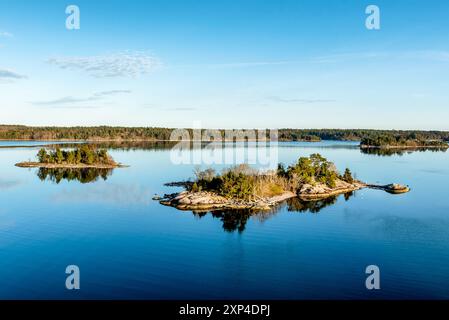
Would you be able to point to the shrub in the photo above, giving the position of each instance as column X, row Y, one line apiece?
column 237, row 185
column 83, row 155
column 245, row 183
column 347, row 176
column 194, row 187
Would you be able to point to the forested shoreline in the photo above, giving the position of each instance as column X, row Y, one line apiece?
column 108, row 133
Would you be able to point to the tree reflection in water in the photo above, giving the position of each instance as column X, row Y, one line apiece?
column 387, row 152
column 236, row 220
column 84, row 175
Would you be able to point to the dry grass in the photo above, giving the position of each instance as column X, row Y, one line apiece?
column 270, row 185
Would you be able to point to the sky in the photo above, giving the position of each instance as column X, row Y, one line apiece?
column 226, row 64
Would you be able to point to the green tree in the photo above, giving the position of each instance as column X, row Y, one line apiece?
column 59, row 156
column 347, row 176
column 78, row 156
column 71, row 157
column 90, row 157
column 42, row 156
column 195, row 187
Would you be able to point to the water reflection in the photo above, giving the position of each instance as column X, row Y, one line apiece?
column 135, row 145
column 388, row 152
column 297, row 205
column 210, row 145
column 236, row 220
column 233, row 220
column 85, row 175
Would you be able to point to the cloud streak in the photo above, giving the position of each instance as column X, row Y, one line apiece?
column 162, row 108
column 4, row 34
column 439, row 56
column 301, row 101
column 250, row 64
column 64, row 101
column 429, row 55
column 123, row 64
column 111, row 93
column 10, row 75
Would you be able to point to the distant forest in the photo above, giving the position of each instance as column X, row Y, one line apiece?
column 106, row 133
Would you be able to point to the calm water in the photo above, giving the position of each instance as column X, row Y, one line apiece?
column 128, row 246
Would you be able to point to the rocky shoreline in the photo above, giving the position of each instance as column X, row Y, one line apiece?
column 321, row 191
column 68, row 166
column 405, row 147
column 204, row 201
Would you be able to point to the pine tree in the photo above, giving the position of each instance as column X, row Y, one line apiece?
column 347, row 176
column 70, row 157
column 78, row 156
column 59, row 156
column 42, row 156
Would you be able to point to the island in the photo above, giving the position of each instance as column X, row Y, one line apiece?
column 83, row 157
column 412, row 141
column 241, row 187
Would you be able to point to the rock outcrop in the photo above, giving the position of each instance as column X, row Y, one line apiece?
column 320, row 190
column 202, row 200
column 205, row 201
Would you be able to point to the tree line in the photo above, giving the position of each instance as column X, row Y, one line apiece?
column 8, row 132
column 412, row 140
column 85, row 154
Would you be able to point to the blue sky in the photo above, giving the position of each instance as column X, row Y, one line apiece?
column 226, row 64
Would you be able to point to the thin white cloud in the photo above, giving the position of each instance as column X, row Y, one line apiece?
column 4, row 34
column 182, row 109
column 335, row 58
column 348, row 56
column 123, row 64
column 439, row 56
column 429, row 55
column 64, row 101
column 250, row 64
column 111, row 93
column 10, row 75
column 296, row 100
column 162, row 108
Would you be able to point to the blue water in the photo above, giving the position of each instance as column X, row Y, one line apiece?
column 26, row 143
column 129, row 246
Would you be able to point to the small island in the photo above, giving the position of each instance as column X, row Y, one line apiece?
column 241, row 187
column 84, row 157
column 401, row 142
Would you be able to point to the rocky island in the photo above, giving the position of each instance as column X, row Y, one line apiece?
column 84, row 157
column 401, row 142
column 311, row 178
